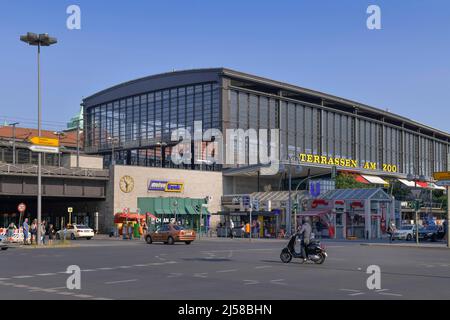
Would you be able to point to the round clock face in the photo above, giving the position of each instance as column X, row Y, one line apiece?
column 126, row 184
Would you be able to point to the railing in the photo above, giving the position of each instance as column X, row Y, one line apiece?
column 23, row 169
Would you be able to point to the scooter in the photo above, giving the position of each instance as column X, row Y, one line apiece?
column 316, row 253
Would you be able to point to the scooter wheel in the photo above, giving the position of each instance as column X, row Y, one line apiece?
column 285, row 257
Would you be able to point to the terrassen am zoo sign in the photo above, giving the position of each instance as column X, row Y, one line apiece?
column 165, row 186
column 346, row 163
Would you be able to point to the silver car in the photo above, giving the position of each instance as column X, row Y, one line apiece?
column 405, row 232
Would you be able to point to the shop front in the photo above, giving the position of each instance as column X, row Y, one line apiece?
column 352, row 213
column 187, row 212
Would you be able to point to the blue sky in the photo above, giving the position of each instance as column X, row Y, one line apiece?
column 317, row 44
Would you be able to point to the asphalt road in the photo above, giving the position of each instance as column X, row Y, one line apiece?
column 221, row 269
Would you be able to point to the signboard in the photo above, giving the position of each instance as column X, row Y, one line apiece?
column 43, row 149
column 165, row 186
column 441, row 176
column 21, row 207
column 47, row 142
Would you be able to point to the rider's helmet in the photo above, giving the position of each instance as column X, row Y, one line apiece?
column 306, row 220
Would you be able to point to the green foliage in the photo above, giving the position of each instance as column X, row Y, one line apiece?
column 348, row 181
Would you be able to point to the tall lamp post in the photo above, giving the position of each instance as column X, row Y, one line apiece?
column 41, row 40
column 59, row 134
column 13, row 125
column 289, row 211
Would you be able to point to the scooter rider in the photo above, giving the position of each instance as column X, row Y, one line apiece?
column 305, row 235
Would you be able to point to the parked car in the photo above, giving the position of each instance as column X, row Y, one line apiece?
column 169, row 234
column 76, row 231
column 432, row 233
column 405, row 232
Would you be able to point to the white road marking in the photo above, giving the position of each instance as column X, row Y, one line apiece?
column 4, row 279
column 250, row 282
column 356, row 294
column 65, row 293
column 83, row 296
column 121, row 281
column 139, row 265
column 201, row 275
column 227, row 271
column 124, row 267
column 391, row 294
column 104, row 269
column 278, row 282
column 263, row 267
column 45, row 274
column 381, row 290
column 22, row 277
column 350, row 290
column 174, row 275
column 88, row 270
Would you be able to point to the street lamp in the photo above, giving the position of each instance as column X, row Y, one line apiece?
column 289, row 211
column 412, row 177
column 113, row 141
column 59, row 134
column 41, row 40
column 13, row 125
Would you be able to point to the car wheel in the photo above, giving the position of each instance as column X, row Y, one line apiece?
column 88, row 238
column 72, row 236
column 170, row 241
column 188, row 242
column 408, row 237
column 148, row 239
column 4, row 248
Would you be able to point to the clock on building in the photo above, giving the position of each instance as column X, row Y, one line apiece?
column 126, row 184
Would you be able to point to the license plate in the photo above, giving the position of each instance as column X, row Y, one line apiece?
column 189, row 233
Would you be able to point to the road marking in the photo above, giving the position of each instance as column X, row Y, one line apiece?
column 201, row 275
column 250, row 282
column 104, row 269
column 278, row 282
column 263, row 267
column 121, row 281
column 174, row 275
column 382, row 290
column 350, row 290
column 356, row 294
column 4, row 279
column 83, row 296
column 65, row 293
column 227, row 271
column 88, row 270
column 391, row 294
column 46, row 274
column 124, row 267
column 23, row 277
column 139, row 265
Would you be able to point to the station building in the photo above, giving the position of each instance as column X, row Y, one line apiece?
column 131, row 126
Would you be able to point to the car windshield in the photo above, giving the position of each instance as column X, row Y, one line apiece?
column 80, row 226
column 178, row 228
column 406, row 228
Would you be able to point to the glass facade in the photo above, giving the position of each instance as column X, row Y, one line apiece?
column 137, row 126
column 308, row 129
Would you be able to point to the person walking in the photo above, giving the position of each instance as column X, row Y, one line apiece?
column 144, row 228
column 34, row 232
column 247, row 229
column 11, row 229
column 124, row 231
column 391, row 231
column 26, row 229
column 51, row 234
column 130, row 230
column 136, row 232
column 231, row 227
column 43, row 232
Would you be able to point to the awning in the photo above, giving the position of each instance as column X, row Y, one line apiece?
column 436, row 187
column 407, row 183
column 361, row 179
column 313, row 213
column 374, row 179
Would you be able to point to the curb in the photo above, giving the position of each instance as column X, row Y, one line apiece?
column 404, row 246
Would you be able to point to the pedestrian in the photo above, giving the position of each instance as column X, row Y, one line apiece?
column 26, row 229
column 34, row 232
column 43, row 232
column 51, row 234
column 247, row 229
column 144, row 228
column 130, row 230
column 124, row 231
column 231, row 227
column 391, row 231
column 11, row 229
column 136, row 227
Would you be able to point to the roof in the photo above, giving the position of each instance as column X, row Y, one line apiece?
column 23, row 134
column 184, row 77
column 356, row 194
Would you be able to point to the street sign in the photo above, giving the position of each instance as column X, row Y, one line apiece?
column 441, row 176
column 46, row 142
column 21, row 207
column 43, row 149
column 70, row 210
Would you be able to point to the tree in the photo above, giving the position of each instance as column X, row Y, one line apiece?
column 348, row 181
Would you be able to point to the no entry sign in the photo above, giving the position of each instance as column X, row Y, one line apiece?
column 21, row 207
